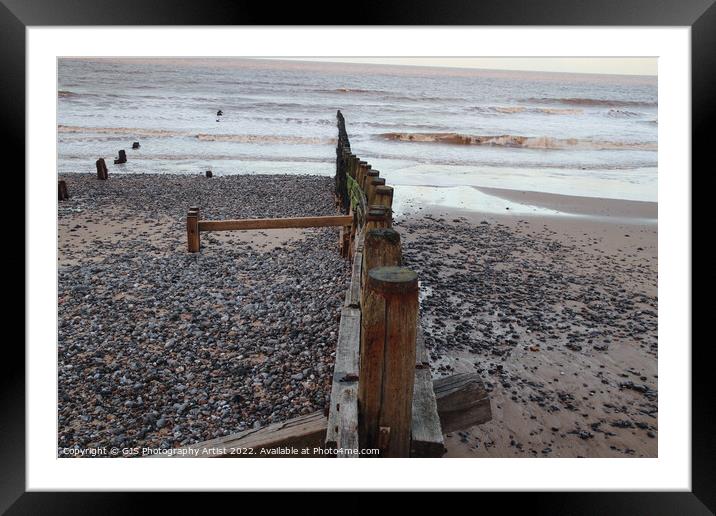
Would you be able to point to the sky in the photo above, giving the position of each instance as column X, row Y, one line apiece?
column 600, row 65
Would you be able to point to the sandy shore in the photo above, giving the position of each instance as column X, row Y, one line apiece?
column 557, row 314
column 610, row 210
column 162, row 348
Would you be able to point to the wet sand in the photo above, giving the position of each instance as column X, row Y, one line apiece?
column 558, row 315
column 588, row 206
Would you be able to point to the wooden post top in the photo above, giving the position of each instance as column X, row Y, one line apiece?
column 377, row 181
column 387, row 234
column 392, row 280
column 373, row 173
column 382, row 189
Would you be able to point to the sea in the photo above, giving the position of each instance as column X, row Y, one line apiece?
column 441, row 133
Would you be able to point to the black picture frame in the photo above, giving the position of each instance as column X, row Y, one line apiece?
column 700, row 15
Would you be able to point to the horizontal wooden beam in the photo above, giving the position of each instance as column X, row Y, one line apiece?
column 300, row 432
column 293, row 222
column 345, row 371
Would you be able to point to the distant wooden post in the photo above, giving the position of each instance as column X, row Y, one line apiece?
column 192, row 230
column 62, row 190
column 209, row 173
column 381, row 248
column 372, row 185
column 135, row 145
column 363, row 168
column 352, row 162
column 101, row 169
column 122, row 158
column 389, row 316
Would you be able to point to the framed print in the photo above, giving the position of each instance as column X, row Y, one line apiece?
column 453, row 246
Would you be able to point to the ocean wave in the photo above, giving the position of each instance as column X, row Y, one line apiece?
column 120, row 130
column 507, row 140
column 204, row 158
column 238, row 138
column 265, row 138
column 591, row 102
column 622, row 113
column 387, row 95
column 509, row 110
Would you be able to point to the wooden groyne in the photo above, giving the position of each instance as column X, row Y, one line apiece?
column 383, row 400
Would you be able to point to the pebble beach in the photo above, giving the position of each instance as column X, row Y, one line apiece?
column 162, row 348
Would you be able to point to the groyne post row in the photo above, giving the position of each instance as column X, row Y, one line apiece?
column 381, row 397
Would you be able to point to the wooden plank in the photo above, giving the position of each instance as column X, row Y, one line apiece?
column 360, row 241
column 345, row 371
column 300, row 432
column 282, row 223
column 348, row 424
column 426, row 432
column 353, row 293
column 462, row 401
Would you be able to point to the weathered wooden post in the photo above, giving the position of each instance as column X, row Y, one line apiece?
column 375, row 218
column 363, row 168
column 62, row 194
column 122, row 158
column 101, row 169
column 192, row 230
column 381, row 248
column 369, row 175
column 209, row 173
column 384, row 197
column 389, row 316
column 352, row 165
column 372, row 185
column 135, row 145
